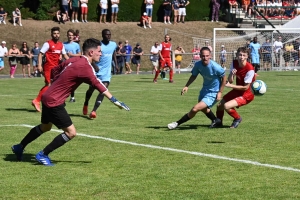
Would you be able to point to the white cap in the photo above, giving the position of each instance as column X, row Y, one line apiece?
column 222, row 45
column 3, row 42
column 145, row 13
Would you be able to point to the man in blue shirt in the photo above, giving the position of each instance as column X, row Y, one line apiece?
column 255, row 51
column 214, row 81
column 128, row 57
column 108, row 49
column 35, row 51
column 266, row 49
column 72, row 50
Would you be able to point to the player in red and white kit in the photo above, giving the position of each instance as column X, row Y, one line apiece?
column 165, row 58
column 241, row 93
column 66, row 78
column 53, row 49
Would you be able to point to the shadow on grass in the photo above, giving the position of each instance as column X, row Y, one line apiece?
column 82, row 116
column 287, row 74
column 215, row 142
column 20, row 109
column 185, row 127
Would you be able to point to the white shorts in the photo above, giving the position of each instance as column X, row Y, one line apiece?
column 182, row 11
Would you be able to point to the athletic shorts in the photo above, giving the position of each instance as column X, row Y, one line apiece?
column 209, row 98
column 155, row 63
column 255, row 59
column 149, row 12
column 84, row 10
column 223, row 60
column 57, row 115
column 241, row 100
column 1, row 62
column 165, row 63
column 114, row 9
column 75, row 9
column 103, row 11
column 182, row 11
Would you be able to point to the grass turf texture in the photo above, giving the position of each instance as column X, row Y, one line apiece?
column 88, row 168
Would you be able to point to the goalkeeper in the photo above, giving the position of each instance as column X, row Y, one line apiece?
column 65, row 77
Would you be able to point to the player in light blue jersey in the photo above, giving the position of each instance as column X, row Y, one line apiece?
column 214, row 80
column 104, row 74
column 72, row 49
column 255, row 51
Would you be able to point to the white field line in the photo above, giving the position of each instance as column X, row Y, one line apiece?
column 173, row 150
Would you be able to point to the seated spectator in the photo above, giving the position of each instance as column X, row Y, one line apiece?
column 3, row 15
column 233, row 4
column 17, row 17
column 297, row 9
column 65, row 7
column 286, row 11
column 61, row 17
column 145, row 20
column 245, row 5
column 77, row 37
column 261, row 4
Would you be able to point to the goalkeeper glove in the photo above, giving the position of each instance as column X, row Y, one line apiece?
column 119, row 103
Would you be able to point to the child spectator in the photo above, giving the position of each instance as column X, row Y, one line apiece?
column 149, row 8
column 103, row 5
column 145, row 20
column 17, row 17
column 223, row 55
column 114, row 10
column 3, row 15
column 84, row 10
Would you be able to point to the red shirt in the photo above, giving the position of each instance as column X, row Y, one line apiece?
column 144, row 18
column 53, row 54
column 196, row 55
column 165, row 49
column 67, row 77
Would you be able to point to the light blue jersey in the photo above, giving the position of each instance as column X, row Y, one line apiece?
column 104, row 74
column 254, row 52
column 212, row 77
column 72, row 47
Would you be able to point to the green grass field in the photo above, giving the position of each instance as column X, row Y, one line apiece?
column 132, row 155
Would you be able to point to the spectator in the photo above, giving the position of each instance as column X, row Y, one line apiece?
column 114, row 10
column 196, row 52
column 208, row 45
column 3, row 15
column 17, row 17
column 61, row 17
column 136, row 59
column 3, row 52
column 25, row 59
column 65, row 7
column 145, row 20
column 74, row 6
column 128, row 50
column 287, row 54
column 154, row 56
column 35, row 51
column 277, row 46
column 255, row 51
column 121, row 51
column 233, row 4
column 175, row 8
column 223, row 55
column 245, row 4
column 178, row 58
column 149, row 9
column 13, row 53
column 167, row 11
column 182, row 9
column 103, row 5
column 295, row 52
column 287, row 10
column 77, row 37
column 266, row 49
column 215, row 10
column 297, row 10
column 84, row 10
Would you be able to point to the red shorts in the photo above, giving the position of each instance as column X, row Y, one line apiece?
column 165, row 63
column 241, row 100
column 47, row 74
column 84, row 10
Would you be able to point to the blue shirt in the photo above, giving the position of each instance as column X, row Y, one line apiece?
column 254, row 48
column 175, row 4
column 72, row 47
column 128, row 49
column 104, row 74
column 35, row 52
column 212, row 74
column 267, row 46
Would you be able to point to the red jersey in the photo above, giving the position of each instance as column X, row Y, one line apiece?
column 53, row 54
column 67, row 77
column 165, row 49
column 240, row 77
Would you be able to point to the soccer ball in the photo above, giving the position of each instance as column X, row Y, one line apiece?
column 259, row 87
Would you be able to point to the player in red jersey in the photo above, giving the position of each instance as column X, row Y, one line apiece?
column 165, row 58
column 65, row 77
column 52, row 50
column 241, row 93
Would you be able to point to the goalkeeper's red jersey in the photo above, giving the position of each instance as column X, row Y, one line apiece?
column 66, row 77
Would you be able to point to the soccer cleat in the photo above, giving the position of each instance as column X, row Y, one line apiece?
column 85, row 110
column 171, row 81
column 216, row 123
column 172, row 125
column 72, row 100
column 18, row 151
column 236, row 122
column 93, row 115
column 43, row 159
column 154, row 80
column 36, row 105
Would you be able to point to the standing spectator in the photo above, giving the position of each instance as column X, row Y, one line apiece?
column 154, row 56
column 103, row 5
column 13, row 60
column 74, row 6
column 223, row 55
column 182, row 9
column 77, row 37
column 196, row 52
column 145, row 21
column 266, row 49
column 3, row 15
column 278, row 46
column 178, row 58
column 84, row 10
column 255, row 51
column 167, row 11
column 208, row 45
column 138, row 52
column 128, row 49
column 288, row 48
column 65, row 7
column 295, row 52
column 72, row 49
column 17, row 17
column 175, row 8
column 121, row 51
column 3, row 52
column 215, row 10
column 149, row 9
column 35, row 51
column 114, row 10
column 25, row 59
column 52, row 49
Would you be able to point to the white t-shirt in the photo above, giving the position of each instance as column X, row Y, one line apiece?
column 46, row 47
column 154, row 50
column 149, row 4
column 64, row 2
column 277, row 45
column 83, row 3
column 103, row 4
column 114, row 5
column 3, row 50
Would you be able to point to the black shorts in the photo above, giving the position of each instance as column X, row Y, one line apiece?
column 75, row 9
column 57, row 115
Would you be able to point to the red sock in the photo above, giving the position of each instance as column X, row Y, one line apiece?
column 42, row 91
column 232, row 112
column 171, row 75
column 220, row 114
column 156, row 74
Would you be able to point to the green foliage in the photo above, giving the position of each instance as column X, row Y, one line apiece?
column 10, row 6
column 44, row 7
